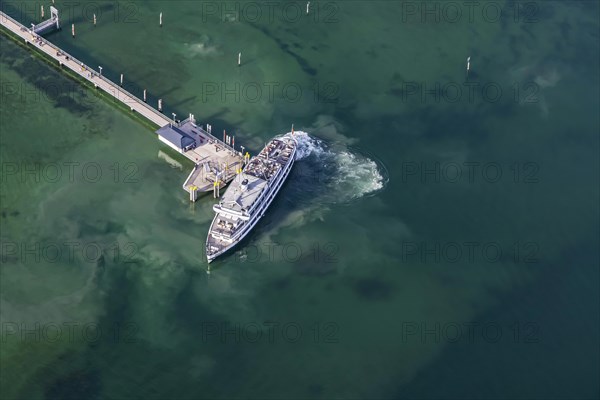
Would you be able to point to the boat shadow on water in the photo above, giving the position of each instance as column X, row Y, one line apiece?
column 324, row 175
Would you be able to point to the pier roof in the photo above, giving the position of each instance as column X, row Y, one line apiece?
column 177, row 136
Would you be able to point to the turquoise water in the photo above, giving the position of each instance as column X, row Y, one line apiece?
column 438, row 237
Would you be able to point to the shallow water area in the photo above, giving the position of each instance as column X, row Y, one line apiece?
column 427, row 244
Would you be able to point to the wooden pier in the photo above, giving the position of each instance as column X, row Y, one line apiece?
column 209, row 150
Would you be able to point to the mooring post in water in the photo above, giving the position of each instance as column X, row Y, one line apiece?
column 239, row 59
column 42, row 11
column 121, row 79
column 216, row 187
column 73, row 30
column 100, row 69
column 193, row 193
column 160, row 105
column 94, row 19
column 145, row 96
column 160, row 20
column 468, row 65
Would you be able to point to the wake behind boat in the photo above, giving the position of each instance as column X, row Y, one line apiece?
column 249, row 195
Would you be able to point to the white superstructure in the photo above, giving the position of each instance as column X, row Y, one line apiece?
column 249, row 195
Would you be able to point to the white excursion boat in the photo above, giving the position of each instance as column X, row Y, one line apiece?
column 250, row 194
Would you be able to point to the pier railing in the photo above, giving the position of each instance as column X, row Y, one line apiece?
column 117, row 91
column 93, row 76
column 231, row 156
column 210, row 135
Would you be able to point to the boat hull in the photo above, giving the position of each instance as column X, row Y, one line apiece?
column 257, row 215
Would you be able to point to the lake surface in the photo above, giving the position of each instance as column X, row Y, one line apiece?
column 438, row 237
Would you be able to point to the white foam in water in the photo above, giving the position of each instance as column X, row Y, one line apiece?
column 353, row 175
column 307, row 145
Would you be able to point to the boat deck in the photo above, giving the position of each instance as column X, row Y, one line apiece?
column 240, row 197
column 245, row 200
